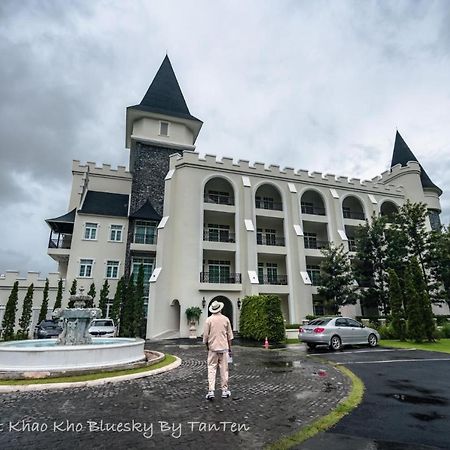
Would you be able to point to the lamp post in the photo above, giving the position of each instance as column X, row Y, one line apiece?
column 203, row 302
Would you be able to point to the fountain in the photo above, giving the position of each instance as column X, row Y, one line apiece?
column 74, row 350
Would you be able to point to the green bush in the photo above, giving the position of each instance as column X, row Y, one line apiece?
column 310, row 317
column 445, row 331
column 442, row 320
column 291, row 326
column 261, row 317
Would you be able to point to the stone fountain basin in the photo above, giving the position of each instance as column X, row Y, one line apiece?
column 36, row 355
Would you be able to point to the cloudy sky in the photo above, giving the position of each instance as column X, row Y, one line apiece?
column 317, row 85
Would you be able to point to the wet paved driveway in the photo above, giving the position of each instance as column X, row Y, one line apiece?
column 274, row 392
column 407, row 400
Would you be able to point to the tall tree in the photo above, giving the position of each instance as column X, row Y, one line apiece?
column 73, row 291
column 44, row 305
column 398, row 323
column 9, row 318
column 115, row 312
column 127, row 312
column 25, row 319
column 336, row 281
column 438, row 261
column 59, row 294
column 92, row 292
column 414, row 325
column 138, row 313
column 104, row 292
column 424, row 301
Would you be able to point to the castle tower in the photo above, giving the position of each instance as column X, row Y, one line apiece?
column 157, row 127
column 416, row 179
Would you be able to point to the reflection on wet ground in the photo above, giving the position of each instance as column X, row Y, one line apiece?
column 431, row 400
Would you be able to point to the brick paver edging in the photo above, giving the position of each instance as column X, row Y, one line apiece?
column 89, row 383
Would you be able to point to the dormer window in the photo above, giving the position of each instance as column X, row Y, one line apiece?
column 164, row 128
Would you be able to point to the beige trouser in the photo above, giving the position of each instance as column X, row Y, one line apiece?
column 215, row 359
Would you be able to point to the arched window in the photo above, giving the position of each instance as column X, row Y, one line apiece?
column 219, row 190
column 312, row 203
column 268, row 197
column 352, row 208
column 388, row 209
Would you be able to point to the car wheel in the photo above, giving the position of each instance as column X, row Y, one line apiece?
column 335, row 343
column 373, row 341
column 311, row 346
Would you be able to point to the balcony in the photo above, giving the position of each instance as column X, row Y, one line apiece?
column 269, row 204
column 59, row 245
column 278, row 241
column 313, row 209
column 273, row 279
column 356, row 215
column 218, row 199
column 212, row 235
column 315, row 245
column 221, row 278
column 144, row 242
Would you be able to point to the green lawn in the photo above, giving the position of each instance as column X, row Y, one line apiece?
column 443, row 345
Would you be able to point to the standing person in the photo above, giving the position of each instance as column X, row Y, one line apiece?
column 217, row 336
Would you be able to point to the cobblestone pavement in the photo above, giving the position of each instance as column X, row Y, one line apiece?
column 274, row 393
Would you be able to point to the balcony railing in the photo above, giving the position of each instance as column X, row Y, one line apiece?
column 212, row 277
column 273, row 279
column 143, row 238
column 316, row 244
column 60, row 241
column 315, row 210
column 270, row 240
column 354, row 215
column 269, row 204
column 219, row 199
column 218, row 236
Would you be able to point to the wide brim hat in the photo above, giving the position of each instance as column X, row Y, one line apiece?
column 215, row 307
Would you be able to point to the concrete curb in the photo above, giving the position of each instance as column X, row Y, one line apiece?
column 99, row 382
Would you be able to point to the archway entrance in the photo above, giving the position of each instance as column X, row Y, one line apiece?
column 175, row 315
column 227, row 309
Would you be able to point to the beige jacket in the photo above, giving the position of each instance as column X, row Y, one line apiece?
column 217, row 332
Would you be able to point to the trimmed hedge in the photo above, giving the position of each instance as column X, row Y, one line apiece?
column 261, row 317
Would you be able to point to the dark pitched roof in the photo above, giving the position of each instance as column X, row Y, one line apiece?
column 164, row 95
column 64, row 223
column 105, row 204
column 146, row 212
column 402, row 154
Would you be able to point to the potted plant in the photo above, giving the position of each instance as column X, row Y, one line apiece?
column 193, row 315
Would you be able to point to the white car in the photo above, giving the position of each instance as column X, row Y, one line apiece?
column 102, row 328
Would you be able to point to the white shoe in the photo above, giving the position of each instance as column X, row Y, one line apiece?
column 210, row 395
column 226, row 393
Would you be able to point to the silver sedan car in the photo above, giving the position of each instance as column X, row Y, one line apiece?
column 337, row 332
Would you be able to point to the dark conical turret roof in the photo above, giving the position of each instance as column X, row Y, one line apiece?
column 402, row 154
column 146, row 212
column 164, row 95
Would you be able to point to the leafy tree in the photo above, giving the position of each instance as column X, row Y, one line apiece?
column 9, row 318
column 138, row 310
column 438, row 261
column 426, row 311
column 44, row 305
column 104, row 292
column 73, row 291
column 59, row 293
column 336, row 280
column 414, row 325
column 128, row 308
column 398, row 324
column 370, row 264
column 115, row 311
column 25, row 319
column 92, row 292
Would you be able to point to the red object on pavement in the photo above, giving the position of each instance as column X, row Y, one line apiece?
column 322, row 373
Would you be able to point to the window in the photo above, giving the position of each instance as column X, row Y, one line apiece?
column 90, row 231
column 164, row 128
column 307, row 207
column 148, row 269
column 219, row 233
column 221, row 198
column 272, row 273
column 144, row 232
column 347, row 212
column 352, row 244
column 310, row 240
column 219, row 271
column 261, row 273
column 264, row 203
column 86, row 268
column 116, row 233
column 314, row 273
column 112, row 269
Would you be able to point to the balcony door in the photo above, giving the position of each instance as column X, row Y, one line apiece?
column 219, row 271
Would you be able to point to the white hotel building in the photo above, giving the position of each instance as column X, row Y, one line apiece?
column 207, row 228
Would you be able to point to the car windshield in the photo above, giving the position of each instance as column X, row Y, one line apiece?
column 320, row 321
column 102, row 323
